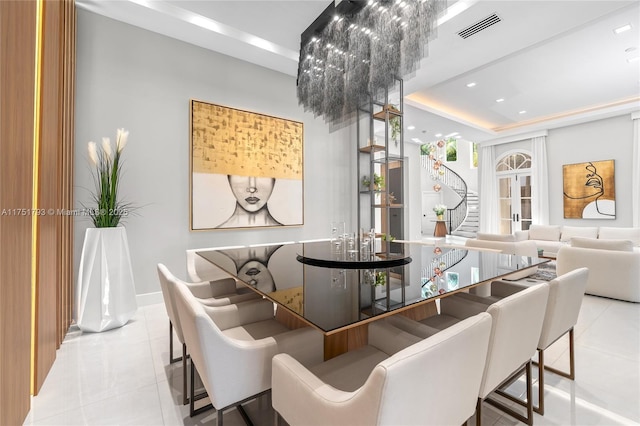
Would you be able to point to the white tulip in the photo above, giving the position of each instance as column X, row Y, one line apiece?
column 93, row 153
column 121, row 139
column 106, row 147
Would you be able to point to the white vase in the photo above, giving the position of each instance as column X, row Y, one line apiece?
column 105, row 293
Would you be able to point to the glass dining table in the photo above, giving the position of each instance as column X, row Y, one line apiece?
column 339, row 291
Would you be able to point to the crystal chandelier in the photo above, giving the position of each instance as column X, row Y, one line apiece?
column 357, row 49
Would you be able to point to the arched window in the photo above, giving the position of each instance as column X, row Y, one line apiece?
column 513, row 171
column 514, row 161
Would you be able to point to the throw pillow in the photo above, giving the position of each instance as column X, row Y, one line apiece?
column 618, row 245
column 569, row 232
column 544, row 232
column 632, row 234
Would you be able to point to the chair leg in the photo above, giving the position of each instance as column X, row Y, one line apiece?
column 192, row 409
column 542, row 368
column 528, row 419
column 219, row 418
column 529, row 395
column 185, row 395
column 572, row 367
column 479, row 412
column 540, row 408
column 171, row 358
column 244, row 415
column 572, row 358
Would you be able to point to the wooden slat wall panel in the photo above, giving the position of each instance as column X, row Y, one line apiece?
column 54, row 286
column 68, row 126
column 48, row 279
column 17, row 68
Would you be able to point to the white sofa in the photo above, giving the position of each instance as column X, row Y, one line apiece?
column 614, row 266
column 550, row 238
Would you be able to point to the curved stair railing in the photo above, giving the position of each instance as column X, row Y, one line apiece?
column 446, row 176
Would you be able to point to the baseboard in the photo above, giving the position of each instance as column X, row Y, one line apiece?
column 147, row 299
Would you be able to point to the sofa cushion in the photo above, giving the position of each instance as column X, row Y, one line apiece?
column 569, row 232
column 632, row 234
column 544, row 232
column 618, row 245
column 508, row 238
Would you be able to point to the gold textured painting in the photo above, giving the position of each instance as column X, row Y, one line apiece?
column 246, row 169
column 589, row 190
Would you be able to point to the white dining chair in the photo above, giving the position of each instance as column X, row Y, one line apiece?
column 515, row 332
column 212, row 293
column 232, row 347
column 566, row 293
column 397, row 379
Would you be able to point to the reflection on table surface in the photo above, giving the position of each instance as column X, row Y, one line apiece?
column 335, row 298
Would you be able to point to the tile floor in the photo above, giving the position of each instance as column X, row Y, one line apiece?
column 122, row 377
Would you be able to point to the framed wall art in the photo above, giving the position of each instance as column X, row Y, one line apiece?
column 246, row 169
column 589, row 190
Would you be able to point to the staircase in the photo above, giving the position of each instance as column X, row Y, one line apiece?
column 469, row 227
column 459, row 214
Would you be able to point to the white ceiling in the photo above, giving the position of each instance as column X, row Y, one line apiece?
column 560, row 61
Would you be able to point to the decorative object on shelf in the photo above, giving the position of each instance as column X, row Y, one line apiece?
column 439, row 210
column 386, row 237
column 378, row 182
column 105, row 293
column 356, row 48
column 381, row 278
column 394, row 123
column 589, row 190
column 246, row 169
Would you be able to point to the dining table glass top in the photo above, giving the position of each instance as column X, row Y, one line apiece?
column 334, row 296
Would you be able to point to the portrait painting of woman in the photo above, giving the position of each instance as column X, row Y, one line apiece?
column 246, row 169
column 589, row 190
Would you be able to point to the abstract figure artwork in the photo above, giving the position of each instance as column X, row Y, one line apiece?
column 589, row 190
column 246, row 169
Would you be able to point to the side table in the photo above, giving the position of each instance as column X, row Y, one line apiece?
column 441, row 229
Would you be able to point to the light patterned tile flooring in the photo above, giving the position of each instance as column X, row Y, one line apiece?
column 122, row 377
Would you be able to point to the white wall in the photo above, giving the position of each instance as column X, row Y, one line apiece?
column 132, row 78
column 606, row 139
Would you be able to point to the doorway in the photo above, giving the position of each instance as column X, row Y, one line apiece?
column 514, row 192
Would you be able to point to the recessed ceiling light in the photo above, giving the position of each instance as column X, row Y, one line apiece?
column 451, row 134
column 630, row 60
column 500, row 100
column 471, row 84
column 411, row 127
column 522, row 112
column 416, row 140
column 437, row 135
column 622, row 29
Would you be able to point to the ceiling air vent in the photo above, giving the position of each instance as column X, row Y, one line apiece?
column 479, row 26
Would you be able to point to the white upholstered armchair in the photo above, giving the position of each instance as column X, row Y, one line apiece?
column 431, row 381
column 566, row 293
column 515, row 332
column 232, row 347
column 212, row 293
